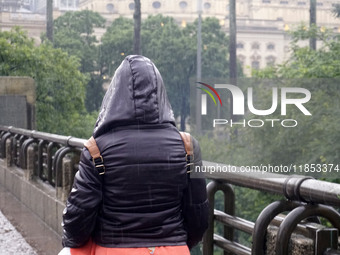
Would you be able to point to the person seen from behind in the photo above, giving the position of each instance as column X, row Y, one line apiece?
column 139, row 199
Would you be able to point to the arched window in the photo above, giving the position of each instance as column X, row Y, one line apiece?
column 183, row 4
column 110, row 7
column 156, row 5
column 270, row 46
column 270, row 60
column 207, row 6
column 255, row 46
column 240, row 45
column 255, row 64
column 131, row 6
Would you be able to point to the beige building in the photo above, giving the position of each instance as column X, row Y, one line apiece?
column 31, row 14
column 262, row 25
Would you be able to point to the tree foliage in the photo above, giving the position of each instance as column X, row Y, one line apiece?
column 170, row 46
column 174, row 54
column 307, row 63
column 117, row 42
column 313, row 141
column 319, row 72
column 74, row 33
column 60, row 85
column 173, row 50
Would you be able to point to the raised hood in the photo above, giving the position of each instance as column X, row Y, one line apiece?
column 136, row 95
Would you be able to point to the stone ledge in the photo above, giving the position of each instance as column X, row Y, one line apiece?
column 35, row 195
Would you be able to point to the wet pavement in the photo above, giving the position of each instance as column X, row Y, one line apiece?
column 38, row 238
column 11, row 241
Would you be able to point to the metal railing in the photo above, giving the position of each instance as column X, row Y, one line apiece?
column 50, row 150
column 305, row 197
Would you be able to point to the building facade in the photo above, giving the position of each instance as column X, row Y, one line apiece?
column 262, row 25
column 31, row 14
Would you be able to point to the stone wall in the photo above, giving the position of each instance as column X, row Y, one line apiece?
column 17, row 102
column 37, row 195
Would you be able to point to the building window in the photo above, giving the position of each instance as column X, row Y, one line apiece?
column 67, row 4
column 131, row 6
column 207, row 6
column 109, row 7
column 271, row 46
column 255, row 46
column 255, row 64
column 266, row 1
column 283, row 2
column 270, row 60
column 156, row 5
column 183, row 4
column 301, row 3
column 240, row 45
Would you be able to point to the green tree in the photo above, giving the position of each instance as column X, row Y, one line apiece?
column 173, row 49
column 74, row 33
column 60, row 85
column 315, row 138
column 307, row 63
column 174, row 55
column 318, row 71
column 117, row 42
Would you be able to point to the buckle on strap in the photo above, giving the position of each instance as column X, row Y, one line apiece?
column 188, row 166
column 99, row 164
column 189, row 157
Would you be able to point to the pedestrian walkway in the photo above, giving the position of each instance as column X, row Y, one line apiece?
column 22, row 232
column 11, row 241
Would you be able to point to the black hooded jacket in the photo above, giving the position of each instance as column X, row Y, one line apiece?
column 145, row 198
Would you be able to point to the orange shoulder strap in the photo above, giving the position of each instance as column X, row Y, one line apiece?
column 97, row 159
column 91, row 145
column 186, row 137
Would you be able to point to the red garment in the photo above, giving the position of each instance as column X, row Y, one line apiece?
column 92, row 249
